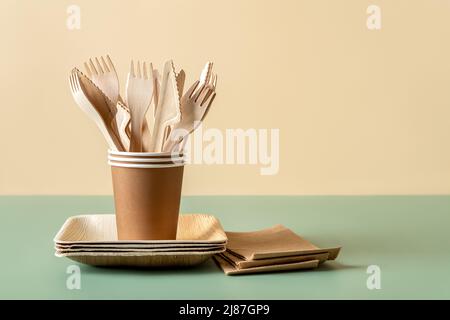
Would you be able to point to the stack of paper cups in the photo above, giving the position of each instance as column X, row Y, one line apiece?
column 147, row 192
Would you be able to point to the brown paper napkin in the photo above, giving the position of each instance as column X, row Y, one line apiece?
column 274, row 242
column 229, row 269
column 239, row 263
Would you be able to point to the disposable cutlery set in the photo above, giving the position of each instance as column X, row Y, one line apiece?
column 146, row 133
column 157, row 114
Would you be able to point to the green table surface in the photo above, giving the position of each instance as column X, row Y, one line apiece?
column 406, row 236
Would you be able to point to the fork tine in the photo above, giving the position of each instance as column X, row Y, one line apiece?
column 208, row 105
column 93, row 70
column 100, row 69
column 74, row 84
column 191, row 90
column 167, row 131
column 138, row 67
column 70, row 83
column 110, row 64
column 132, row 69
column 105, row 66
column 214, row 81
column 210, row 74
column 199, row 92
column 77, row 81
column 144, row 69
column 156, row 87
column 206, row 73
column 207, row 96
column 88, row 70
column 151, row 70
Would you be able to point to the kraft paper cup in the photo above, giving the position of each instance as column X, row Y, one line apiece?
column 146, row 196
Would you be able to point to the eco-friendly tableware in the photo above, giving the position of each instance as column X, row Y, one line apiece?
column 139, row 94
column 195, row 228
column 168, row 109
column 90, row 99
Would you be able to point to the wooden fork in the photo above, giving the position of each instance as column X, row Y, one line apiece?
column 103, row 74
column 194, row 105
column 149, row 120
column 139, row 94
column 90, row 100
column 168, row 109
column 123, row 117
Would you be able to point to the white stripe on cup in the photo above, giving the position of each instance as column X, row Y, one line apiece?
column 144, row 166
column 143, row 154
column 148, row 160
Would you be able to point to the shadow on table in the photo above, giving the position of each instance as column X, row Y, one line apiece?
column 208, row 267
column 334, row 265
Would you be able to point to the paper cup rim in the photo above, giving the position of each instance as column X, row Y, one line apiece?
column 144, row 166
column 143, row 154
column 146, row 160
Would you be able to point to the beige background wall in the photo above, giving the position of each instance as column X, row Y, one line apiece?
column 359, row 111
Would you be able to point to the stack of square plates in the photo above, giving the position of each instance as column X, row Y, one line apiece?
column 92, row 239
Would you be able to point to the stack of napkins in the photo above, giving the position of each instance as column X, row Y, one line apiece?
column 273, row 249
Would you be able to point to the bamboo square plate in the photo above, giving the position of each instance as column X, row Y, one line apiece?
column 141, row 259
column 172, row 249
column 137, row 246
column 100, row 230
column 92, row 240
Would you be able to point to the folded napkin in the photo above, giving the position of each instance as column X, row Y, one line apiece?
column 274, row 242
column 240, row 263
column 229, row 269
column 273, row 249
